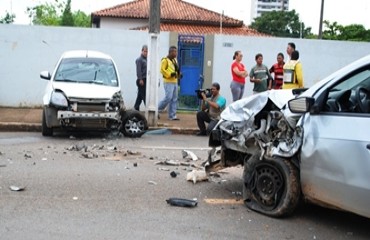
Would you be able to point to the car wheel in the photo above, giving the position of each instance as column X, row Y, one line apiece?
column 271, row 186
column 46, row 131
column 134, row 124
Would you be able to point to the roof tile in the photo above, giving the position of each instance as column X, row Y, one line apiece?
column 172, row 11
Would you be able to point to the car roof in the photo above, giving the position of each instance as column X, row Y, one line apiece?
column 85, row 54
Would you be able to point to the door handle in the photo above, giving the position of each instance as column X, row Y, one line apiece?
column 368, row 146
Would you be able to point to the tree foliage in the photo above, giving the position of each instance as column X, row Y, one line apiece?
column 8, row 18
column 58, row 13
column 281, row 24
column 353, row 32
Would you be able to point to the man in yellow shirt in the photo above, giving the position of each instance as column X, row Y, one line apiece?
column 171, row 73
column 293, row 74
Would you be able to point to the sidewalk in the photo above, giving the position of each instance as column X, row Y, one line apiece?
column 29, row 119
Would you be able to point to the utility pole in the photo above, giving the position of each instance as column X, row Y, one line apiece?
column 151, row 111
column 321, row 20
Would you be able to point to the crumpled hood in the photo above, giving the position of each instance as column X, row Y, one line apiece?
column 245, row 108
column 86, row 90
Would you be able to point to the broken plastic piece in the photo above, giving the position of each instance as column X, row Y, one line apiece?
column 173, row 174
column 181, row 202
column 189, row 154
column 16, row 188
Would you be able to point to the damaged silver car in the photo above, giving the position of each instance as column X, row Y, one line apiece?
column 315, row 146
column 84, row 93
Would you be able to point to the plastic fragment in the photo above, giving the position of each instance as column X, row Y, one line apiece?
column 181, row 202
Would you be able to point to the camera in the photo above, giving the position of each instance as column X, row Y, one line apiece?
column 206, row 91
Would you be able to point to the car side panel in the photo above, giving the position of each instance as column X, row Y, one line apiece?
column 335, row 161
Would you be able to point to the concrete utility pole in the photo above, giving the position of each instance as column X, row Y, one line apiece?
column 151, row 112
column 321, row 20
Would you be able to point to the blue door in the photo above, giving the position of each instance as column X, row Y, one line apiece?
column 191, row 52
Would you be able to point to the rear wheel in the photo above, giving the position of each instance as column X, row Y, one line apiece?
column 271, row 186
column 134, row 124
column 46, row 131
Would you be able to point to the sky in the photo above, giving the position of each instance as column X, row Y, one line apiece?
column 341, row 11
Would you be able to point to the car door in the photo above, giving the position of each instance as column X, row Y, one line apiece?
column 335, row 155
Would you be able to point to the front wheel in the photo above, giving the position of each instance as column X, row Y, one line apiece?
column 134, row 124
column 271, row 186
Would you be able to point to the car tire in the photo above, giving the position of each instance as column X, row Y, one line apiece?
column 134, row 124
column 46, row 131
column 271, row 186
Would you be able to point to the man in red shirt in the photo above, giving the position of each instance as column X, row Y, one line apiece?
column 278, row 70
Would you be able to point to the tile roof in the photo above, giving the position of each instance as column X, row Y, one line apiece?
column 203, row 30
column 172, row 11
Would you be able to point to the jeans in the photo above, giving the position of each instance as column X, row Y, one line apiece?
column 237, row 90
column 140, row 94
column 170, row 99
column 203, row 117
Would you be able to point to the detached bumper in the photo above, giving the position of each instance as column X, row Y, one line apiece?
column 88, row 115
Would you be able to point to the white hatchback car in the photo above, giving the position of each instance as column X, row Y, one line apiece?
column 84, row 92
column 317, row 146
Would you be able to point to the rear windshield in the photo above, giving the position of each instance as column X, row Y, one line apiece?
column 87, row 70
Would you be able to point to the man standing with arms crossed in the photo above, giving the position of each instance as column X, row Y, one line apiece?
column 141, row 77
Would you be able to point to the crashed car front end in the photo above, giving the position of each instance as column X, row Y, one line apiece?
column 256, row 125
column 85, row 113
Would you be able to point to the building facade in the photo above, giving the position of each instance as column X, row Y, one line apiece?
column 259, row 7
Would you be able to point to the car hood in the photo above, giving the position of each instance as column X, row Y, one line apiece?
column 245, row 108
column 86, row 90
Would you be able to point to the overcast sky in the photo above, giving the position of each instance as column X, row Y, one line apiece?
column 344, row 12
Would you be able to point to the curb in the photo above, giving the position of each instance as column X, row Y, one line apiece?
column 36, row 127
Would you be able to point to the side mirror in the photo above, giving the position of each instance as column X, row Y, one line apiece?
column 301, row 104
column 45, row 75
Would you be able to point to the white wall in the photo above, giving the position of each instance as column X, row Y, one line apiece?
column 25, row 51
column 319, row 57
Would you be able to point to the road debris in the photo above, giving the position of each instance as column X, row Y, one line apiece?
column 152, row 183
column 44, row 159
column 90, row 155
column 173, row 174
column 27, row 155
column 135, row 164
column 189, row 155
column 129, row 152
column 197, row 176
column 168, row 162
column 181, row 202
column 16, row 188
column 164, row 169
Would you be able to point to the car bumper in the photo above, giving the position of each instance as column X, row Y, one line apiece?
column 88, row 115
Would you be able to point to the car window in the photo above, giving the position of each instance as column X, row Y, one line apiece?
column 351, row 94
column 87, row 70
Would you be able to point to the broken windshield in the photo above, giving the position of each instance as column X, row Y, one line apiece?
column 87, row 70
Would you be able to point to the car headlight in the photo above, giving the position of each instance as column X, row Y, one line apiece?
column 58, row 99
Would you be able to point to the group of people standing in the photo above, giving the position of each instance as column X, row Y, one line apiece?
column 285, row 75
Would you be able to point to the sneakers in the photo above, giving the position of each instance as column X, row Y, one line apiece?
column 201, row 133
column 174, row 119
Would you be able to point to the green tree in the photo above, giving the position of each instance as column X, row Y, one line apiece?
column 281, row 24
column 58, row 13
column 8, row 18
column 81, row 19
column 67, row 17
column 353, row 32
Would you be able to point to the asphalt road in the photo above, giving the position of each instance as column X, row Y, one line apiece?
column 115, row 190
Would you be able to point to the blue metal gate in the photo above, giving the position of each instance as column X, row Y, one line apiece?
column 191, row 55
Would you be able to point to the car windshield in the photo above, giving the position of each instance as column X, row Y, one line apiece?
column 87, row 70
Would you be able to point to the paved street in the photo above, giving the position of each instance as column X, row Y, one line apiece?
column 113, row 189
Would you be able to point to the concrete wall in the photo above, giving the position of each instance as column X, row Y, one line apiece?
column 319, row 57
column 25, row 51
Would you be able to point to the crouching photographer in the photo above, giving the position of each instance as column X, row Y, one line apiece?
column 211, row 110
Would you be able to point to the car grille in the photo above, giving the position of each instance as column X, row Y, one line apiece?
column 81, row 107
